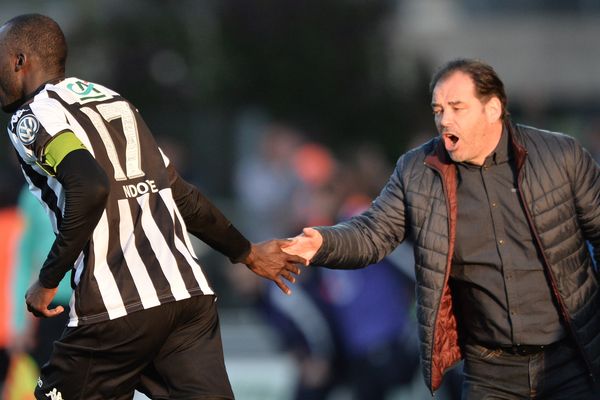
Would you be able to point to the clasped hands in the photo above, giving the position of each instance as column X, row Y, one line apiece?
column 278, row 258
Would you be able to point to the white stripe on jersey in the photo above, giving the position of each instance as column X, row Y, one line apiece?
column 45, row 110
column 53, row 122
column 79, row 266
column 106, row 139
column 186, row 249
column 104, row 277
column 73, row 317
column 37, row 193
column 164, row 157
column 136, row 266
column 79, row 132
column 57, row 188
column 174, row 210
column 165, row 257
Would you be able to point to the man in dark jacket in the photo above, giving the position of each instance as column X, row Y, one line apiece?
column 500, row 215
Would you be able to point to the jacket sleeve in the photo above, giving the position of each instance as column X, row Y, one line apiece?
column 205, row 221
column 86, row 192
column 370, row 236
column 586, row 189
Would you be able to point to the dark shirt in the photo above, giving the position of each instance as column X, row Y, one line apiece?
column 499, row 286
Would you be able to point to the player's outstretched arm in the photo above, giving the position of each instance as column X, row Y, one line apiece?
column 304, row 245
column 207, row 222
column 267, row 260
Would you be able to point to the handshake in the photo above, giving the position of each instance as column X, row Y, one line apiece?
column 278, row 258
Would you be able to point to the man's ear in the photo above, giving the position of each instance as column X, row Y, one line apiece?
column 493, row 109
column 20, row 62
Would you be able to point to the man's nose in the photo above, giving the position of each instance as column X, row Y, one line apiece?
column 445, row 119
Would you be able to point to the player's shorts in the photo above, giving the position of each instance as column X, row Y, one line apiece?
column 173, row 351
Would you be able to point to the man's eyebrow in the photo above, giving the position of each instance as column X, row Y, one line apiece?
column 451, row 103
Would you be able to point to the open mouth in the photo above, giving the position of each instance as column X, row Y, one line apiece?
column 451, row 137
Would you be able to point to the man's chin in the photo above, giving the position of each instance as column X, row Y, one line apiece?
column 454, row 156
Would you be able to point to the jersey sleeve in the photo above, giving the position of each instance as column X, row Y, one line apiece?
column 206, row 221
column 33, row 126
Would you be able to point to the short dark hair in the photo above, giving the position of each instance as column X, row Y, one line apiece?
column 486, row 80
column 39, row 35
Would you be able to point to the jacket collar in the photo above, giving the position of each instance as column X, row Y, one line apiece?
column 438, row 158
column 519, row 151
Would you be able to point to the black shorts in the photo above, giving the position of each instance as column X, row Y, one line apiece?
column 173, row 351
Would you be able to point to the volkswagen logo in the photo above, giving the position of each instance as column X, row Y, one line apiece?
column 27, row 129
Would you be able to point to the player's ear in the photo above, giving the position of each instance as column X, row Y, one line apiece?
column 20, row 61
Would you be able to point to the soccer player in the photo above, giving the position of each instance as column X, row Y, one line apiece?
column 142, row 315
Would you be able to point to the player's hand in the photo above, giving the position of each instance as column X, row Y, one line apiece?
column 304, row 245
column 266, row 259
column 38, row 298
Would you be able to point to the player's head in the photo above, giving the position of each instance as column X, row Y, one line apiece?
column 33, row 50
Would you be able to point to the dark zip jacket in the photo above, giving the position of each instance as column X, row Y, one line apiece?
column 559, row 183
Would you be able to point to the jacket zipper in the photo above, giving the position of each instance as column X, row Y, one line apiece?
column 446, row 272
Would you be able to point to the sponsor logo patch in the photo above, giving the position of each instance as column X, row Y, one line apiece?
column 27, row 129
column 54, row 395
column 15, row 119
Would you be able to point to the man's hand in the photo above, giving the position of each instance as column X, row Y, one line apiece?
column 266, row 259
column 304, row 245
column 38, row 298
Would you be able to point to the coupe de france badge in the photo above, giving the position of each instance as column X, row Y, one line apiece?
column 27, row 129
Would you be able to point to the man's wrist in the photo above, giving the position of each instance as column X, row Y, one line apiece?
column 246, row 257
column 46, row 283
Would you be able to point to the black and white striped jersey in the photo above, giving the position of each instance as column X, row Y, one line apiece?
column 139, row 255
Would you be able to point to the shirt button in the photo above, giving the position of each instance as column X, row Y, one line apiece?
column 501, row 241
column 493, row 204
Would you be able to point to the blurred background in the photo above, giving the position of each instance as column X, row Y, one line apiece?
column 292, row 113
